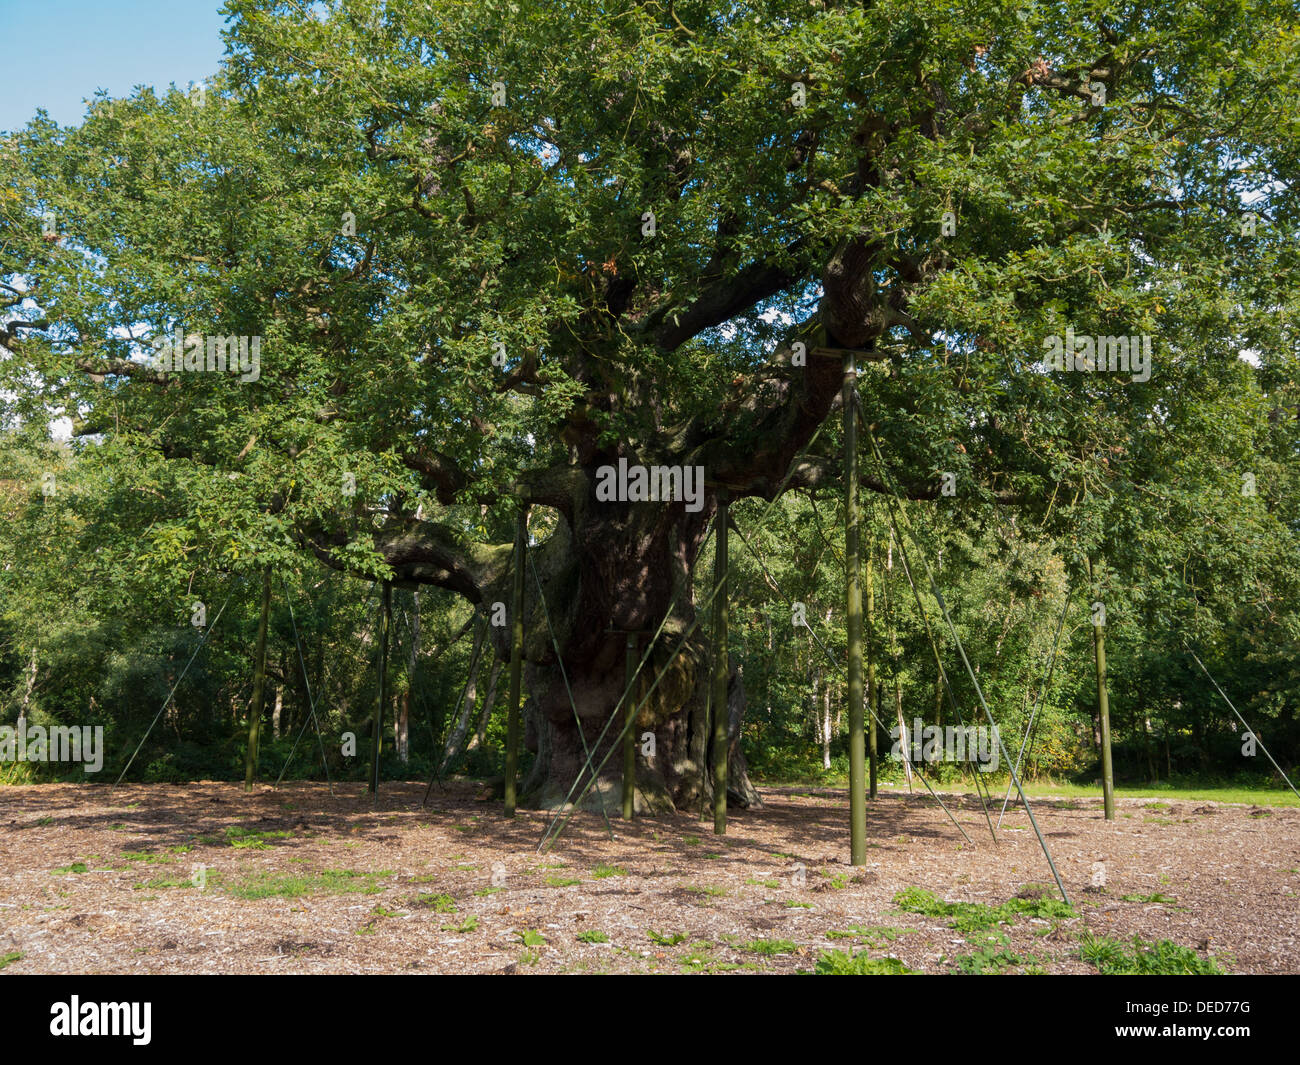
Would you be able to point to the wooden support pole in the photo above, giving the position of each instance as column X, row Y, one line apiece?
column 516, row 665
column 377, row 734
column 1103, row 712
column 629, row 738
column 721, row 670
column 853, row 595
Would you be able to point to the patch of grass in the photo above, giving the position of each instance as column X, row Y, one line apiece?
column 561, row 881
column 772, row 884
column 250, row 839
column 792, row 904
column 837, row 963
column 1112, row 957
column 75, row 867
column 670, row 939
column 438, row 903
column 1246, row 796
column 993, row 955
column 161, row 882
column 707, row 889
column 11, row 957
column 1157, row 897
column 146, row 856
column 697, row 960
column 870, row 935
column 602, row 871
column 593, row 935
column 977, row 916
column 326, row 882
column 470, row 924
column 770, row 947
column 488, row 891
column 691, row 841
column 529, row 957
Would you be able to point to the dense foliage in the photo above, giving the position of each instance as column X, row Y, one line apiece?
column 434, row 217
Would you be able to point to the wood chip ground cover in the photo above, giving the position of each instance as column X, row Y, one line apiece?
column 294, row 880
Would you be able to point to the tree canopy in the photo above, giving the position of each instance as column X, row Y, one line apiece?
column 486, row 249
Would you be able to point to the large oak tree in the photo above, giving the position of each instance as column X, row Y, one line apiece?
column 491, row 248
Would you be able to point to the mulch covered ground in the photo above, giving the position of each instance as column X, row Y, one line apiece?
column 94, row 880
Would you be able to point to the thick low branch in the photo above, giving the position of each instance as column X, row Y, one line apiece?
column 99, row 370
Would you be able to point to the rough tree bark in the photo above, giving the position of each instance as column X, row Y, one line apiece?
column 257, row 703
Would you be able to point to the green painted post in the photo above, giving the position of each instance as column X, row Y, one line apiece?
column 721, row 670
column 516, row 665
column 857, row 738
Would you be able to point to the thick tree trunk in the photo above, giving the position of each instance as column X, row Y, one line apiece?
column 402, row 726
column 740, row 791
column 402, row 738
column 634, row 568
column 257, row 705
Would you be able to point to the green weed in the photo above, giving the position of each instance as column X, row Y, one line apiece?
column 977, row 916
column 326, row 882
column 837, row 963
column 770, row 947
column 1112, row 957
column 438, row 903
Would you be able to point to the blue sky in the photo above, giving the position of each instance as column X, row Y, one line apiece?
column 58, row 52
